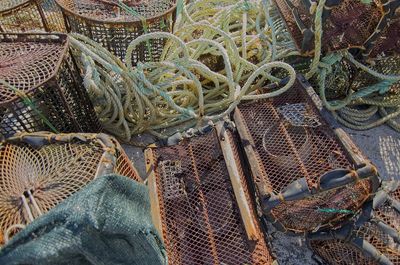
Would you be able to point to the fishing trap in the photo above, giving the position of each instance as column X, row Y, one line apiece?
column 201, row 203
column 114, row 25
column 306, row 173
column 39, row 170
column 40, row 86
column 371, row 237
column 345, row 24
column 30, row 15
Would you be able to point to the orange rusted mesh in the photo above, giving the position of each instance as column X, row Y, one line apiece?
column 288, row 140
column 114, row 28
column 201, row 223
column 41, row 88
column 364, row 242
column 39, row 170
column 30, row 15
column 346, row 25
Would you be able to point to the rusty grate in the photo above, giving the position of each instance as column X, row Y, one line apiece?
column 39, row 170
column 200, row 217
column 347, row 24
column 290, row 156
column 114, row 28
column 41, row 87
column 371, row 238
column 30, row 15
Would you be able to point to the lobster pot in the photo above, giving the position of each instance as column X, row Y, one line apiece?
column 306, row 174
column 201, row 204
column 40, row 87
column 345, row 24
column 30, row 15
column 39, row 170
column 372, row 237
column 114, row 27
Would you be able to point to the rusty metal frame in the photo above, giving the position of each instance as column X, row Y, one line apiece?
column 299, row 189
column 228, row 155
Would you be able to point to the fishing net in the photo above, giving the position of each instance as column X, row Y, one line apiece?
column 299, row 163
column 107, row 222
column 202, row 204
column 114, row 25
column 30, row 15
column 39, row 170
column 372, row 237
column 344, row 25
column 40, row 86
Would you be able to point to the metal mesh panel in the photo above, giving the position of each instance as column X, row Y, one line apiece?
column 38, row 67
column 346, row 25
column 354, row 250
column 201, row 223
column 29, row 15
column 38, row 171
column 287, row 150
column 114, row 28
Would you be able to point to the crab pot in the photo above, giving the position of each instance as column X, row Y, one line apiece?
column 201, row 204
column 30, row 15
column 41, row 88
column 371, row 237
column 345, row 24
column 114, row 28
column 57, row 166
column 306, row 173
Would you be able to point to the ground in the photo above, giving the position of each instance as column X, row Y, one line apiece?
column 381, row 145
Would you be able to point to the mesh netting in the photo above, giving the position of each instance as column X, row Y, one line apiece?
column 41, row 87
column 30, row 15
column 38, row 171
column 389, row 42
column 374, row 241
column 287, row 150
column 114, row 27
column 201, row 223
column 346, row 25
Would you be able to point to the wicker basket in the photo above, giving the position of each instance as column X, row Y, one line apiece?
column 348, row 24
column 40, row 87
column 110, row 25
column 39, row 170
column 30, row 15
column 201, row 203
column 371, row 238
column 304, row 171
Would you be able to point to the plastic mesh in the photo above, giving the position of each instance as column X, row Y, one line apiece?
column 200, row 217
column 286, row 152
column 336, row 251
column 38, row 67
column 347, row 25
column 34, row 180
column 389, row 42
column 30, row 15
column 114, row 28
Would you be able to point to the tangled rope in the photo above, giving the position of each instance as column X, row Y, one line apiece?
column 209, row 65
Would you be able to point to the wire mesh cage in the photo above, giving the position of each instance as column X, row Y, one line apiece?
column 345, row 24
column 30, row 15
column 113, row 26
column 201, row 203
column 304, row 172
column 39, row 170
column 372, row 237
column 40, row 86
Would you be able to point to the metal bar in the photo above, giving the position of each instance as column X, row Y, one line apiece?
column 232, row 166
column 152, row 184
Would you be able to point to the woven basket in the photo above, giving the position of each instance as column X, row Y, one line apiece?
column 40, row 86
column 108, row 24
column 39, row 170
column 30, row 15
